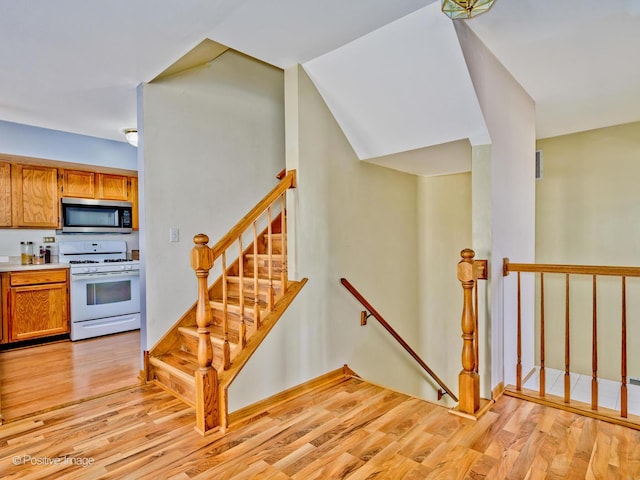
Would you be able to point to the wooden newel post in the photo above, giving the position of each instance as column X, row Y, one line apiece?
column 468, row 380
column 207, row 416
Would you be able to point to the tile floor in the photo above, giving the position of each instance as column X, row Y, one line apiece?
column 608, row 390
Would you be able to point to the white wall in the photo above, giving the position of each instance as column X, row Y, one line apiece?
column 350, row 219
column 444, row 222
column 213, row 142
column 509, row 113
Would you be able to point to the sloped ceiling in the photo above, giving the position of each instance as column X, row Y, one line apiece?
column 74, row 65
column 390, row 99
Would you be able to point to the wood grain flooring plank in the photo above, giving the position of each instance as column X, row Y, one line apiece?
column 352, row 430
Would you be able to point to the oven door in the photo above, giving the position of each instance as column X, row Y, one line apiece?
column 106, row 294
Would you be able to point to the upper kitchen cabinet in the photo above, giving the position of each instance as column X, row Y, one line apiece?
column 5, row 194
column 78, row 184
column 133, row 198
column 113, row 187
column 34, row 196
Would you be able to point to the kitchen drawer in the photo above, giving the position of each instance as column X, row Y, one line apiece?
column 37, row 277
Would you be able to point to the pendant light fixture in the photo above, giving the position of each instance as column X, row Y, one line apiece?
column 456, row 9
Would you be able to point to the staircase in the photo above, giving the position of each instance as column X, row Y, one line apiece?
column 201, row 355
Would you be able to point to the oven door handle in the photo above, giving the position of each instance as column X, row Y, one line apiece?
column 99, row 275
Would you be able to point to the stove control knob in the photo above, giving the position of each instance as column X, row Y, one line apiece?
column 122, row 267
column 84, row 270
column 128, row 267
column 93, row 269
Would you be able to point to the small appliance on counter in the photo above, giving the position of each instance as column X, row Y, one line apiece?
column 105, row 287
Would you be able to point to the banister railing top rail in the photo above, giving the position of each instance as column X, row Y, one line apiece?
column 397, row 336
column 620, row 271
column 289, row 181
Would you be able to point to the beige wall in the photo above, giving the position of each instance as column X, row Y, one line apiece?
column 444, row 222
column 213, row 141
column 588, row 212
column 349, row 219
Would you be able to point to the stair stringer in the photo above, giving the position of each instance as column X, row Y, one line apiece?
column 226, row 377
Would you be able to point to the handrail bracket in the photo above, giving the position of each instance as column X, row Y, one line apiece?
column 364, row 315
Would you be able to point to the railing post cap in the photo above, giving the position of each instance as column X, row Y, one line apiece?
column 467, row 254
column 200, row 239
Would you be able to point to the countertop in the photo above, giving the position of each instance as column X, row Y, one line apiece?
column 14, row 265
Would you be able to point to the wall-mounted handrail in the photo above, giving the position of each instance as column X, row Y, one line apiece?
column 372, row 311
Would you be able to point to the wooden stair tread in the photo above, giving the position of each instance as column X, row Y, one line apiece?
column 249, row 279
column 180, row 363
column 217, row 334
column 233, row 305
column 264, row 256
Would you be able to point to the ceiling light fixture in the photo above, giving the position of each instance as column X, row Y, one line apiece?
column 131, row 134
column 456, row 9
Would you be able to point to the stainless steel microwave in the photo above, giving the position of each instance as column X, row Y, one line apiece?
column 86, row 215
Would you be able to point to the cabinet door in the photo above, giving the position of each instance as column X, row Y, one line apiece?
column 133, row 198
column 78, row 184
column 113, row 187
column 35, row 196
column 38, row 311
column 5, row 195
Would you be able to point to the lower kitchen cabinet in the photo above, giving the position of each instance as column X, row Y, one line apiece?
column 36, row 304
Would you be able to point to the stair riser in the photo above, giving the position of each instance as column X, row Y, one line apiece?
column 233, row 318
column 190, row 344
column 276, row 245
column 263, row 267
column 233, row 292
column 175, row 384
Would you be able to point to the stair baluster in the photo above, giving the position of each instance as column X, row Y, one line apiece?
column 283, row 243
column 270, row 261
column 226, row 350
column 242, row 331
column 256, row 309
column 206, row 377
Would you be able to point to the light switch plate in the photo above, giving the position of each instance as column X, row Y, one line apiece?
column 174, row 234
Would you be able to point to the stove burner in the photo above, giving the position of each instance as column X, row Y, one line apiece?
column 115, row 260
column 83, row 261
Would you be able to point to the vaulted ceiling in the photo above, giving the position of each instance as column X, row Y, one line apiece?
column 392, row 72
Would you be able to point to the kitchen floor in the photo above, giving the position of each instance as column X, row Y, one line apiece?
column 39, row 378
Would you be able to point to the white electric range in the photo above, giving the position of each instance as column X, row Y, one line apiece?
column 105, row 287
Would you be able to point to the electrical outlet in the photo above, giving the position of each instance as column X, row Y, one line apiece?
column 48, row 239
column 174, row 234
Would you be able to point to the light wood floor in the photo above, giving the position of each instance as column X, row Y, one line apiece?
column 350, row 429
column 44, row 376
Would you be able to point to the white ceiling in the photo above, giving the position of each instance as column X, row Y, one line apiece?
column 389, row 70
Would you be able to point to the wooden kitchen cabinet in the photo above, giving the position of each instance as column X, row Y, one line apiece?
column 36, row 303
column 34, row 196
column 113, row 187
column 5, row 194
column 78, row 184
column 133, row 198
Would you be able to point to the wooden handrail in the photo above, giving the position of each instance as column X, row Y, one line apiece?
column 395, row 335
column 289, row 181
column 509, row 267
